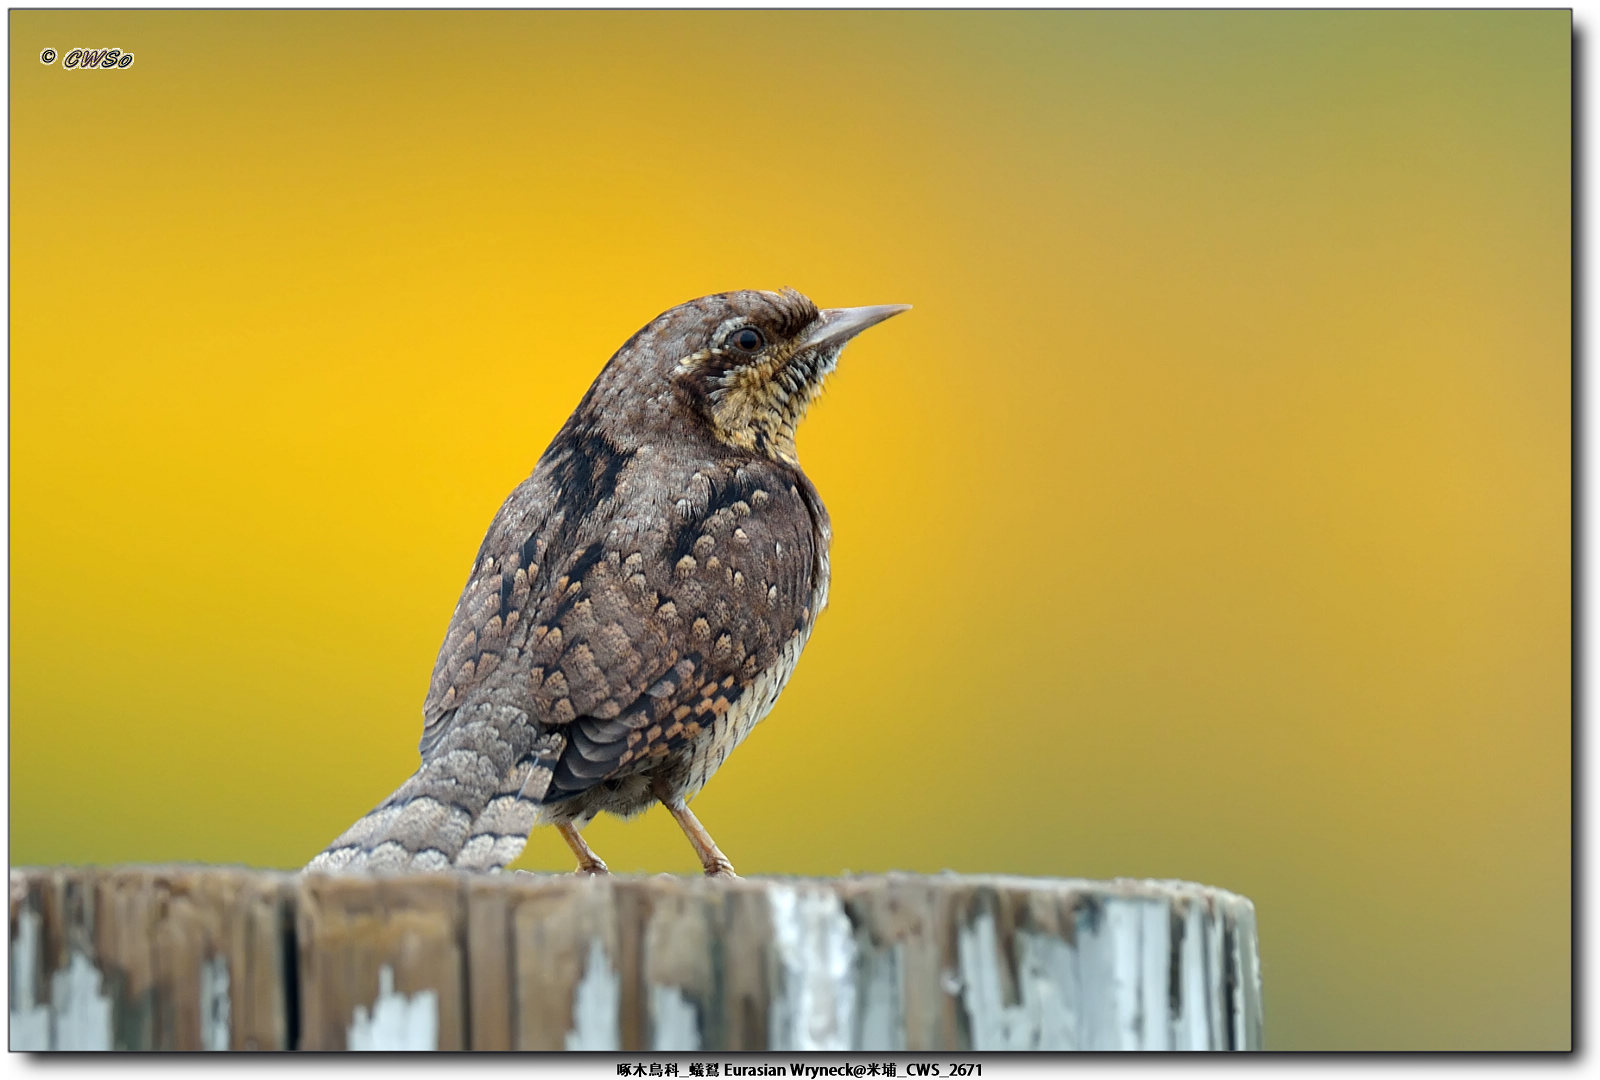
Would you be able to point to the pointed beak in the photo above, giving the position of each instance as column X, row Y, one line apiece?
column 835, row 326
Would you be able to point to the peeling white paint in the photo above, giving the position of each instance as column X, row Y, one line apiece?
column 1123, row 963
column 1216, row 1008
column 81, row 1011
column 1247, row 993
column 1105, row 956
column 814, row 1002
column 78, row 1016
column 596, row 1005
column 883, row 1010
column 1251, row 1014
column 1191, row 1028
column 1155, row 968
column 216, row 1010
column 674, row 1021
column 1044, row 1016
column 30, row 1019
column 396, row 1021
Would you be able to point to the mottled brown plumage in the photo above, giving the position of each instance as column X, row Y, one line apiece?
column 639, row 601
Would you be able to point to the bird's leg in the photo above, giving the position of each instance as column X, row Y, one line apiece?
column 588, row 861
column 713, row 861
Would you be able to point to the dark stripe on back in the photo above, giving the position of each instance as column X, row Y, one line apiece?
column 586, row 474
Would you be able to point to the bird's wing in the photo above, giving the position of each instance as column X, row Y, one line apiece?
column 624, row 633
column 545, row 538
column 736, row 582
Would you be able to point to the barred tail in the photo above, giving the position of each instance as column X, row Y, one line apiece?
column 469, row 807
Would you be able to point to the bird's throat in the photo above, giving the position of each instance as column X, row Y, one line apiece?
column 762, row 420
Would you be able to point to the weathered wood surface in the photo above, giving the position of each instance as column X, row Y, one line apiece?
column 181, row 958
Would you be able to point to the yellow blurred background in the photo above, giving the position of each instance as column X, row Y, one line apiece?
column 1208, row 518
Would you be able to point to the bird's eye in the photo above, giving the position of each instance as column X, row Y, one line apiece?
column 748, row 339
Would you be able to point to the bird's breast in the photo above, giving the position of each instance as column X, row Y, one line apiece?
column 712, row 747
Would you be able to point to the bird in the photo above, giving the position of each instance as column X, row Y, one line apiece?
column 638, row 603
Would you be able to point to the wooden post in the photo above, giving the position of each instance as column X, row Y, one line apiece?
column 194, row 958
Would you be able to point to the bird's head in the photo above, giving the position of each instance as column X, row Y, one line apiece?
column 747, row 364
column 757, row 360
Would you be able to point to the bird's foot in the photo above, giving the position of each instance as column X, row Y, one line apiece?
column 720, row 868
column 589, row 864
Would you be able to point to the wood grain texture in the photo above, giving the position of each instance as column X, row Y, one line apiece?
column 150, row 959
column 189, row 958
column 351, row 930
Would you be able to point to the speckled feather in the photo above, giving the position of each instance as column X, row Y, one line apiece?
column 637, row 604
